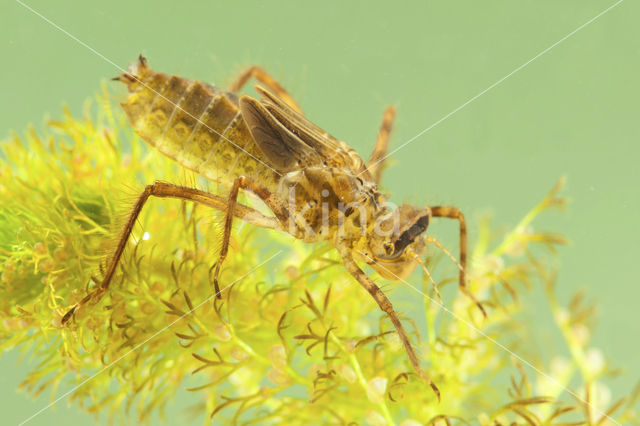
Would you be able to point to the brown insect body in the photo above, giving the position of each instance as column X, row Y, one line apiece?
column 317, row 187
column 194, row 124
column 203, row 129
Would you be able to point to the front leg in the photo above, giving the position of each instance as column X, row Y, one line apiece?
column 455, row 213
column 387, row 307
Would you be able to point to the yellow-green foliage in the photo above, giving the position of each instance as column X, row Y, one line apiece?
column 294, row 340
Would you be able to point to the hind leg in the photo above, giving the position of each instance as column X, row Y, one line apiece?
column 167, row 190
column 271, row 83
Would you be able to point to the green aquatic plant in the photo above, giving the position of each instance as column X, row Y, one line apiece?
column 293, row 340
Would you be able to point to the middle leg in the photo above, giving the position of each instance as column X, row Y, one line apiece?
column 243, row 182
column 375, row 165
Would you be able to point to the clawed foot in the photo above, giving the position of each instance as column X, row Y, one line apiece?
column 86, row 299
column 68, row 315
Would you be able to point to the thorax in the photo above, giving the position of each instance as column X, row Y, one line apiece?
column 326, row 203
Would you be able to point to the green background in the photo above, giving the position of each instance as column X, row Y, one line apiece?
column 573, row 111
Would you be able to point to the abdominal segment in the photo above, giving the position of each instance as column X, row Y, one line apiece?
column 195, row 124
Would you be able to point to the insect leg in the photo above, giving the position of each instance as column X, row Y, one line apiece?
column 167, row 190
column 243, row 182
column 375, row 165
column 387, row 307
column 263, row 77
column 455, row 213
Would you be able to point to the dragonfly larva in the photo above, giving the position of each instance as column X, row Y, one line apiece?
column 317, row 187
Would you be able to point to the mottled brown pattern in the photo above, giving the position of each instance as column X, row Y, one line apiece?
column 317, row 187
column 197, row 125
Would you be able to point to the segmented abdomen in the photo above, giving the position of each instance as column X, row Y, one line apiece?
column 197, row 125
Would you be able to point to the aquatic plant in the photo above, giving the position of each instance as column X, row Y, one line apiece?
column 294, row 338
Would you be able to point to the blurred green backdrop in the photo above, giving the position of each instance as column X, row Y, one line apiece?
column 573, row 111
